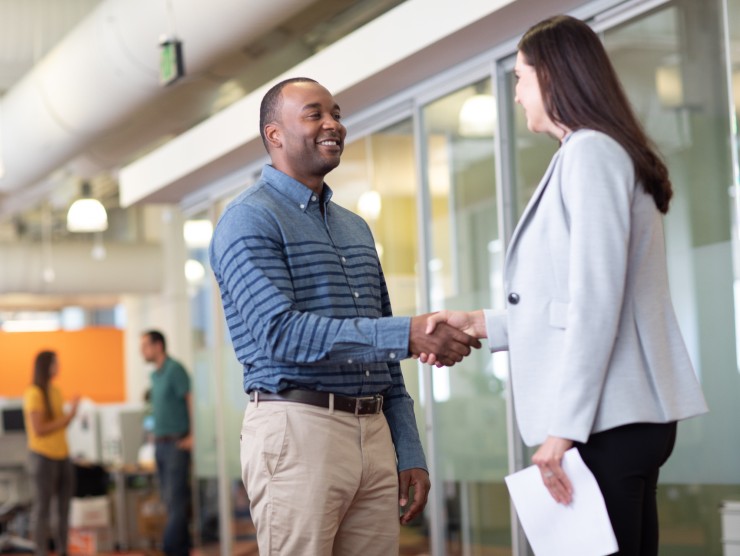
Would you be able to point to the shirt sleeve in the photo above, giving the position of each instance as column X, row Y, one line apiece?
column 33, row 401
column 253, row 274
column 181, row 381
column 399, row 408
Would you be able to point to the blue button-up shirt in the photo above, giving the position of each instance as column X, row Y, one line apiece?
column 306, row 302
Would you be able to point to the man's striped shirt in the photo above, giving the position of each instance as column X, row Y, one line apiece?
column 306, row 302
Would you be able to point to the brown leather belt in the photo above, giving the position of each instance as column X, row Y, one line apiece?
column 368, row 405
column 169, row 438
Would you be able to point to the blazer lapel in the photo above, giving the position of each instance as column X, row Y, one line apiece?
column 531, row 205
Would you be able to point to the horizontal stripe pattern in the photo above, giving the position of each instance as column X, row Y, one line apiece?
column 306, row 302
column 271, row 308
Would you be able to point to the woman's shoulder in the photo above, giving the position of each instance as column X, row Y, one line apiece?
column 591, row 139
column 594, row 145
column 31, row 394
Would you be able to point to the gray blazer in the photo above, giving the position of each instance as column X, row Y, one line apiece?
column 592, row 336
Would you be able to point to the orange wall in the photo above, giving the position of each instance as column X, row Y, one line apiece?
column 91, row 362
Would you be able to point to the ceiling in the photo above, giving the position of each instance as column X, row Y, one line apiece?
column 29, row 31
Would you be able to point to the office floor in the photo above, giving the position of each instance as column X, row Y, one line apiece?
column 412, row 544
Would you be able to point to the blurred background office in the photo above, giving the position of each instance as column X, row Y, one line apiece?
column 148, row 112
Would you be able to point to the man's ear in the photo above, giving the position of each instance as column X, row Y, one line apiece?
column 273, row 136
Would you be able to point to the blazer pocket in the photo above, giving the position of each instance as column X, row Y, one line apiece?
column 558, row 314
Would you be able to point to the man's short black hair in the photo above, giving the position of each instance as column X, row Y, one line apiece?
column 156, row 337
column 270, row 105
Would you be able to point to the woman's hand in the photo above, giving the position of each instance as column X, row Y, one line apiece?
column 74, row 406
column 472, row 323
column 548, row 458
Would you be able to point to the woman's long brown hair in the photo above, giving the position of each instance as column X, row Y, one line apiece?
column 42, row 378
column 580, row 89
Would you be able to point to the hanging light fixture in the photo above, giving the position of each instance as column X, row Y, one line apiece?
column 87, row 214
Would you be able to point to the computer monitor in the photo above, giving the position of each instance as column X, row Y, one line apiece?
column 12, row 419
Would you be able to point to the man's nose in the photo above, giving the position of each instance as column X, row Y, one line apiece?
column 332, row 123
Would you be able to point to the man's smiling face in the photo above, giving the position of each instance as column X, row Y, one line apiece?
column 309, row 131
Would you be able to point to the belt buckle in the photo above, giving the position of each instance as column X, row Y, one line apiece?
column 377, row 399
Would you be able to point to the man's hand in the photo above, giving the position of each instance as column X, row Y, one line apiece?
column 186, row 443
column 419, row 479
column 448, row 344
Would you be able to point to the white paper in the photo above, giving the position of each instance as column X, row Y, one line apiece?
column 580, row 529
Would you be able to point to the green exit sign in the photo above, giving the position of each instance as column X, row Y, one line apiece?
column 171, row 67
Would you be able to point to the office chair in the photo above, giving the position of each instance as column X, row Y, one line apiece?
column 12, row 504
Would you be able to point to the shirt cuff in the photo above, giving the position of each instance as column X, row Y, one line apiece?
column 393, row 336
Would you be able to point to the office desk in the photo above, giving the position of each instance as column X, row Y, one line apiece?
column 131, row 483
column 15, row 486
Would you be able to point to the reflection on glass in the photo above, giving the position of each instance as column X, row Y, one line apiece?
column 465, row 273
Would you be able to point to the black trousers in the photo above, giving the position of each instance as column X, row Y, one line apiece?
column 625, row 462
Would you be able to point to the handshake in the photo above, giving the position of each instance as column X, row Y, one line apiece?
column 444, row 338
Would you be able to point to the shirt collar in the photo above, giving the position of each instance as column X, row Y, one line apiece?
column 294, row 190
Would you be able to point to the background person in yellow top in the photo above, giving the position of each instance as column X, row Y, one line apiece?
column 52, row 474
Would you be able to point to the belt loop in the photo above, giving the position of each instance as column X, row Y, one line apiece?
column 331, row 404
column 256, row 399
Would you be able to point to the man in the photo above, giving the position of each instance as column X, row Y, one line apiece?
column 329, row 445
column 172, row 410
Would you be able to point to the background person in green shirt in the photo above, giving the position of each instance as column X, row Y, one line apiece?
column 173, row 440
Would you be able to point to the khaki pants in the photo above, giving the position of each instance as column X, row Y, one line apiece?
column 320, row 483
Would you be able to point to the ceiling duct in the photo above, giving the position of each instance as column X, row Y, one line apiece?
column 107, row 68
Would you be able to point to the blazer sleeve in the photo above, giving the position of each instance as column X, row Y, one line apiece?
column 597, row 186
column 497, row 330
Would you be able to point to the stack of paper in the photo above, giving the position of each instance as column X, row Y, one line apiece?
column 580, row 529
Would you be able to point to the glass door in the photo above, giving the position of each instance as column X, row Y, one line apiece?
column 464, row 272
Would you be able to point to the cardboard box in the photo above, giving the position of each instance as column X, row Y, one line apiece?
column 151, row 516
column 88, row 541
column 90, row 512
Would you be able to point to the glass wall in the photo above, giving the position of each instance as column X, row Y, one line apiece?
column 218, row 404
column 464, row 269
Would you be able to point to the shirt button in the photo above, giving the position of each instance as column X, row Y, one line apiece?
column 350, row 361
column 392, row 355
column 313, row 197
column 357, row 294
column 302, row 206
column 513, row 298
column 367, row 373
column 344, row 259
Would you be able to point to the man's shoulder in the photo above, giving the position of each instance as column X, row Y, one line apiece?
column 252, row 207
column 258, row 195
column 174, row 365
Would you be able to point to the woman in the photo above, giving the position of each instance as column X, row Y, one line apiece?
column 597, row 358
column 51, row 470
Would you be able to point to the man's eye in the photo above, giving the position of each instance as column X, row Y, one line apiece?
column 337, row 117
